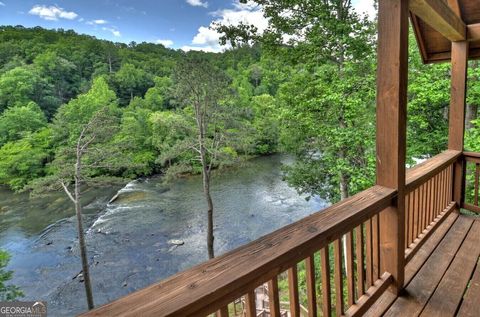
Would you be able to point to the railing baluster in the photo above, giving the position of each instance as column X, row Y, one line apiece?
column 415, row 215
column 424, row 206
column 430, row 200
column 223, row 312
column 250, row 304
column 360, row 259
column 350, row 272
column 407, row 219
column 293, row 291
column 376, row 247
column 337, row 250
column 420, row 208
column 326, row 288
column 411, row 209
column 477, row 173
column 273, row 299
column 369, row 251
column 311, row 291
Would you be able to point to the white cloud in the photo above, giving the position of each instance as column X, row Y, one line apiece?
column 2, row 4
column 365, row 7
column 207, row 39
column 97, row 22
column 208, row 49
column 52, row 13
column 115, row 32
column 166, row 43
column 198, row 3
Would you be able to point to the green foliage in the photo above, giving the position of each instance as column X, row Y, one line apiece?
column 7, row 292
column 17, row 121
column 24, row 160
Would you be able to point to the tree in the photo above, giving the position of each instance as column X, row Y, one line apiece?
column 201, row 89
column 18, row 87
column 135, row 81
column 7, row 292
column 20, row 120
column 328, row 102
column 87, row 157
column 24, row 160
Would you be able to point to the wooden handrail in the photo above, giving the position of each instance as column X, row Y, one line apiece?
column 213, row 284
column 417, row 175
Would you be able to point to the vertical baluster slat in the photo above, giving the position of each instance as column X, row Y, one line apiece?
column 477, row 174
column 360, row 259
column 411, row 210
column 369, row 251
column 273, row 299
column 293, row 291
column 250, row 304
column 326, row 287
column 223, row 312
column 337, row 250
column 415, row 214
column 311, row 291
column 350, row 272
column 407, row 219
column 376, row 247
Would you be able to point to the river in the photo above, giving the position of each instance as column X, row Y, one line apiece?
column 129, row 240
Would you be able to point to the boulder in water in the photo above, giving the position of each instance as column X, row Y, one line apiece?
column 176, row 242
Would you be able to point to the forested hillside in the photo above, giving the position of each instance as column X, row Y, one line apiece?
column 317, row 102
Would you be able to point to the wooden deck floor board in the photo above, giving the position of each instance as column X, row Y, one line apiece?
column 470, row 305
column 449, row 293
column 422, row 286
column 386, row 300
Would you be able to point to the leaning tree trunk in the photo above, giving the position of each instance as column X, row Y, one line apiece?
column 81, row 237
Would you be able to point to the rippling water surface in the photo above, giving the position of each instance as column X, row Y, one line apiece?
column 129, row 239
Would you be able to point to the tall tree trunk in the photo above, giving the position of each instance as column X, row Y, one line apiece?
column 208, row 197
column 81, row 237
column 471, row 114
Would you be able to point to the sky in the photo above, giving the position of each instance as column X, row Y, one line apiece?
column 178, row 24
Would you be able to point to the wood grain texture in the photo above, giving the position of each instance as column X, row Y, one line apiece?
column 250, row 304
column 448, row 295
column 326, row 288
column 372, row 294
column 392, row 80
column 440, row 17
column 456, row 127
column 213, row 284
column 422, row 286
column 293, row 291
column 420, row 173
column 273, row 298
column 360, row 261
column 469, row 307
column 311, row 286
column 338, row 277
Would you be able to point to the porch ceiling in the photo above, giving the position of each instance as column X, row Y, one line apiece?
column 435, row 47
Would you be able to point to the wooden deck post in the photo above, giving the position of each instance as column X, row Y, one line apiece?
column 392, row 77
column 457, row 113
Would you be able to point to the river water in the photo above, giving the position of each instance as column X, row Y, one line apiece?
column 129, row 240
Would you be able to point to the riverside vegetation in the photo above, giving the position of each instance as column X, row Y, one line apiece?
column 77, row 110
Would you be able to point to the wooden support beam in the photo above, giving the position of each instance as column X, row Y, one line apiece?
column 456, row 129
column 473, row 32
column 441, row 17
column 392, row 78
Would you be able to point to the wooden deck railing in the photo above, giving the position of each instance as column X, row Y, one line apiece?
column 428, row 198
column 471, row 181
column 213, row 285
column 337, row 251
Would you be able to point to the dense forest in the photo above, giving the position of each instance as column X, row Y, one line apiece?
column 52, row 80
column 78, row 110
